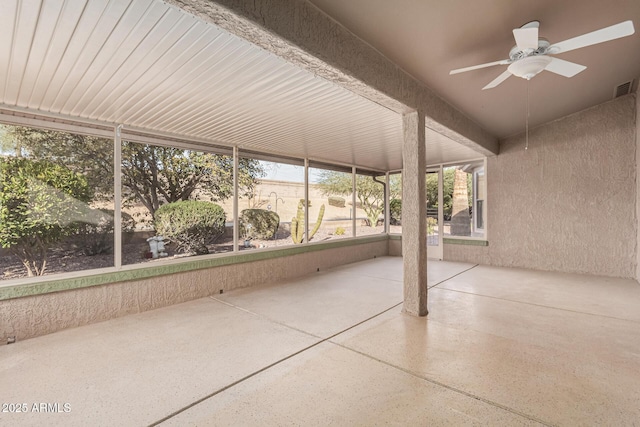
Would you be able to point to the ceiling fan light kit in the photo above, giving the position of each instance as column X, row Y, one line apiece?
column 529, row 66
column 530, row 56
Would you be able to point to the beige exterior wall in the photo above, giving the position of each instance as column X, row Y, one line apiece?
column 569, row 202
column 637, row 186
column 395, row 247
column 32, row 316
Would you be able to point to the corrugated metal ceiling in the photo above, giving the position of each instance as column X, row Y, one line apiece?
column 148, row 65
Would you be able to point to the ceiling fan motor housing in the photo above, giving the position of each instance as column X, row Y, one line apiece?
column 516, row 53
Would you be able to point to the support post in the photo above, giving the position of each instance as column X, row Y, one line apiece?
column 354, row 188
column 236, row 214
column 306, row 201
column 414, row 214
column 387, row 204
column 117, row 197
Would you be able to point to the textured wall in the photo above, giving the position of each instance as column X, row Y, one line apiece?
column 569, row 202
column 395, row 247
column 414, row 212
column 637, row 185
column 43, row 314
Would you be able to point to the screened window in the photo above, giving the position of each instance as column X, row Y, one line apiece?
column 56, row 202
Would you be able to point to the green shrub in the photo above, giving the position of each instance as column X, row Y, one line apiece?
column 95, row 234
column 308, row 203
column 263, row 224
column 39, row 202
column 191, row 224
column 395, row 207
column 340, row 231
column 339, row 202
column 431, row 225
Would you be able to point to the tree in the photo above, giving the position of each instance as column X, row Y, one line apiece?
column 447, row 190
column 151, row 175
column 369, row 191
column 39, row 204
column 89, row 155
column 156, row 175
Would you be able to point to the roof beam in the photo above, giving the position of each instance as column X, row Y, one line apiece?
column 302, row 34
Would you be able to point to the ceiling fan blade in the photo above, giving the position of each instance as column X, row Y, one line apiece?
column 613, row 32
column 476, row 67
column 564, row 68
column 495, row 82
column 526, row 38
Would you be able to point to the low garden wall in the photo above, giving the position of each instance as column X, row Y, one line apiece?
column 35, row 309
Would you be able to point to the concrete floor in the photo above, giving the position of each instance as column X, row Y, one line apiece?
column 499, row 347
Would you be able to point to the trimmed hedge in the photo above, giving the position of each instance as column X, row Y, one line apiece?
column 191, row 224
column 263, row 224
column 339, row 202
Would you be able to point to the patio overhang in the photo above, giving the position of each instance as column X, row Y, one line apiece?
column 155, row 68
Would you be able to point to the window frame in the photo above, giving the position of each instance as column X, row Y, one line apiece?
column 118, row 133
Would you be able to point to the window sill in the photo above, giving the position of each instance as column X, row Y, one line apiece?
column 77, row 280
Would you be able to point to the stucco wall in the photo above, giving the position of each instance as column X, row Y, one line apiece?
column 568, row 203
column 637, row 123
column 395, row 246
column 32, row 316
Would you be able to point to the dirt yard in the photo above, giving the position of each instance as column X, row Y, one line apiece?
column 67, row 257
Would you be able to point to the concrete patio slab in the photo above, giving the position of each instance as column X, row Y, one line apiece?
column 503, row 349
column 138, row 369
column 322, row 304
column 561, row 367
column 330, row 385
column 391, row 268
column 329, row 302
column 603, row 296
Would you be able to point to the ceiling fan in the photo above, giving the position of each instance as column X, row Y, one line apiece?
column 530, row 55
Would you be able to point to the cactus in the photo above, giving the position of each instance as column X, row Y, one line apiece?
column 297, row 224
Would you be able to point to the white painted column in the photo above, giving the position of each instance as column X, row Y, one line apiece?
column 306, row 201
column 117, row 197
column 353, row 201
column 236, row 214
column 414, row 214
column 387, row 204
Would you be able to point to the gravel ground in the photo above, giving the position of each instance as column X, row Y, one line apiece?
column 66, row 258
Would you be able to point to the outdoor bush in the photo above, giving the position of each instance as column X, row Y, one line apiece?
column 337, row 201
column 95, row 234
column 191, row 224
column 340, row 231
column 263, row 224
column 395, row 207
column 39, row 203
column 431, row 225
column 308, row 202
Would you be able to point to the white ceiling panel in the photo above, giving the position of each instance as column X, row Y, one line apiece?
column 151, row 66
